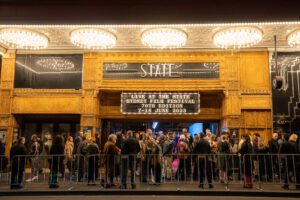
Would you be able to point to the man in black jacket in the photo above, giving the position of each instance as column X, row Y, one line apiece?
column 202, row 148
column 17, row 156
column 130, row 149
column 273, row 150
column 288, row 160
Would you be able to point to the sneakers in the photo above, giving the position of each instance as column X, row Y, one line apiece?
column 32, row 179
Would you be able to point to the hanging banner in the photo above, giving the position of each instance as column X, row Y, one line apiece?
column 160, row 103
column 154, row 70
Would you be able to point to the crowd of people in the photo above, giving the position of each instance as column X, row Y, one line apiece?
column 178, row 156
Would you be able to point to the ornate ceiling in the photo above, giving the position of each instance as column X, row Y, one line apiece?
column 128, row 36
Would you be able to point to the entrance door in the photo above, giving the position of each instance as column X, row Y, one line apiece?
column 66, row 125
column 158, row 126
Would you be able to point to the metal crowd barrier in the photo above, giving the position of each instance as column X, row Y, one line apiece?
column 4, row 170
column 122, row 170
column 270, row 169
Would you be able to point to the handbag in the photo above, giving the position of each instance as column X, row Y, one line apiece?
column 175, row 165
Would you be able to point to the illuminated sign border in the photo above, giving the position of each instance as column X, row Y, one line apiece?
column 161, row 70
column 136, row 113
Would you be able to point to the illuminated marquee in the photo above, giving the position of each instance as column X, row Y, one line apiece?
column 160, row 103
column 154, row 70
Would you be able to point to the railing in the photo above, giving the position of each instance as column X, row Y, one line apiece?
column 249, row 170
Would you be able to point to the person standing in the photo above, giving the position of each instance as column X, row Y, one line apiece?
column 35, row 151
column 18, row 161
column 81, row 155
column 77, row 140
column 69, row 146
column 295, row 159
column 167, row 156
column 93, row 159
column 183, row 153
column 223, row 158
column 288, row 149
column 3, row 158
column 129, row 151
column 245, row 150
column 47, row 143
column 155, row 160
column 273, row 150
column 111, row 159
column 203, row 151
column 56, row 160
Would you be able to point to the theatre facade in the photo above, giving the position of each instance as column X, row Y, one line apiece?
column 60, row 79
column 231, row 89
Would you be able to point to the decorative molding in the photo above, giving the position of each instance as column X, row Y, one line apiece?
column 46, row 92
column 255, row 92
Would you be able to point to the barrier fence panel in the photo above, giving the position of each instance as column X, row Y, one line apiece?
column 273, row 169
column 108, row 171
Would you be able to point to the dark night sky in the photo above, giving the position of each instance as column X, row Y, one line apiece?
column 145, row 12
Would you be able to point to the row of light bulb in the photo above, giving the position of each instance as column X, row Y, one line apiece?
column 159, row 38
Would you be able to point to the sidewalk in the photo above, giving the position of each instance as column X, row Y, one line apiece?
column 164, row 189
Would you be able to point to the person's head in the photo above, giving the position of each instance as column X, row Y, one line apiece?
column 149, row 131
column 233, row 136
column 21, row 140
column 80, row 134
column 213, row 137
column 129, row 134
column 256, row 135
column 170, row 136
column 224, row 138
column 275, row 136
column 119, row 136
column 58, row 140
column 247, row 138
column 70, row 139
column 202, row 135
column 142, row 135
column 34, row 138
column 112, row 138
column 196, row 138
column 89, row 139
column 182, row 137
column 285, row 137
column 184, row 131
column 137, row 135
column 293, row 137
column 188, row 135
column 208, row 133
column 245, row 135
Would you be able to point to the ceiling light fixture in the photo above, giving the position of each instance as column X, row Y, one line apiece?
column 237, row 37
column 17, row 38
column 92, row 38
column 293, row 39
column 164, row 38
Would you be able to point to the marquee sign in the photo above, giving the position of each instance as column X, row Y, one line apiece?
column 160, row 103
column 204, row 70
